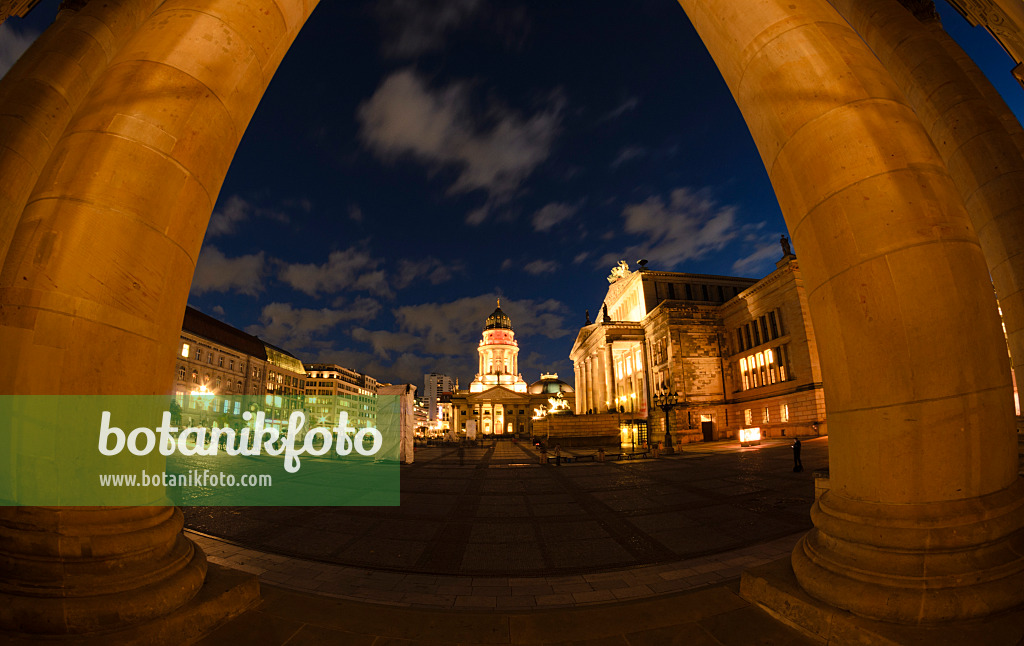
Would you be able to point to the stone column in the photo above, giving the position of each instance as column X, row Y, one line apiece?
column 131, row 181
column 968, row 131
column 44, row 89
column 925, row 506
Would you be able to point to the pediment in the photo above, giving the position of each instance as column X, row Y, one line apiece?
column 497, row 394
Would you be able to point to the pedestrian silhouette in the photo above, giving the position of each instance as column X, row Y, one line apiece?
column 798, row 466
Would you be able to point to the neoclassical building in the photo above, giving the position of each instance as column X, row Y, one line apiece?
column 499, row 401
column 706, row 355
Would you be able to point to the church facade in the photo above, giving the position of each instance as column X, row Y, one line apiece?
column 702, row 356
column 498, row 401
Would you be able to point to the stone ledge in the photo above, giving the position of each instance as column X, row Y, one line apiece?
column 773, row 588
column 226, row 593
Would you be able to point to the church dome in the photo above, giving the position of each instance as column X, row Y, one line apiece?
column 498, row 320
column 549, row 385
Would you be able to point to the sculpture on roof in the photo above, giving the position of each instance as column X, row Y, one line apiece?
column 619, row 272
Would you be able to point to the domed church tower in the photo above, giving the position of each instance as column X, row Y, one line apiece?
column 499, row 356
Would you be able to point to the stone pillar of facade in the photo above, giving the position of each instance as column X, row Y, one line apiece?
column 132, row 181
column 969, row 133
column 44, row 89
column 611, row 389
column 923, row 520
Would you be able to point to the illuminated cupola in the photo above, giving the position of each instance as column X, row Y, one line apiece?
column 499, row 356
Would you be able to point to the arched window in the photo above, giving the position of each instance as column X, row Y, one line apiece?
column 195, row 376
column 181, row 373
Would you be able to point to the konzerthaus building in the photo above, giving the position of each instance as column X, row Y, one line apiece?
column 707, row 355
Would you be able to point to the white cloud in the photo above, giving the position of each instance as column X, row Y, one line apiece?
column 355, row 213
column 215, row 272
column 352, row 268
column 580, row 257
column 763, row 255
column 430, row 269
column 13, row 43
column 236, row 210
column 551, row 214
column 538, row 267
column 493, row 152
column 628, row 153
column 415, row 27
column 290, row 327
column 688, row 227
column 628, row 105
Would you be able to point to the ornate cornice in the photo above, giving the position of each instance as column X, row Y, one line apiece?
column 1004, row 19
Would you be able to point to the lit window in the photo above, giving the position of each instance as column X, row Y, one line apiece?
column 765, row 416
column 184, row 350
column 629, row 365
column 747, row 417
column 784, row 412
column 195, row 377
column 743, row 371
column 752, row 363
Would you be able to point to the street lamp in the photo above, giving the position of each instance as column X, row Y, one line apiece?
column 666, row 402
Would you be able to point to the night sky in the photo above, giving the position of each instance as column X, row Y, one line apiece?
column 415, row 160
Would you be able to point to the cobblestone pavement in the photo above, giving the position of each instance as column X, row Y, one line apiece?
column 504, row 517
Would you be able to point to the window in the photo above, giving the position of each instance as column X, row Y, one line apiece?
column 231, row 364
column 747, row 417
column 199, row 354
column 764, row 417
column 184, row 350
column 195, row 376
column 739, row 340
column 784, row 412
column 764, row 328
column 772, row 368
column 220, row 363
column 181, row 373
column 773, row 325
column 743, row 371
column 783, row 360
column 752, row 364
column 757, row 335
column 209, row 358
column 746, row 330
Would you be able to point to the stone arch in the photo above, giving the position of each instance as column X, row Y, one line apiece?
column 130, row 168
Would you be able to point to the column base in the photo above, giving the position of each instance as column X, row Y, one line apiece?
column 773, row 588
column 916, row 564
column 225, row 594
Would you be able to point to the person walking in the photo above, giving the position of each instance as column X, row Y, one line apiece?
column 798, row 466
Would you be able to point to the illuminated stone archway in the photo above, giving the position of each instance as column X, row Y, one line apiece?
column 123, row 136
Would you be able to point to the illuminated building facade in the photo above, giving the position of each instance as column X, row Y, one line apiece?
column 434, row 387
column 332, row 389
column 708, row 355
column 499, row 401
column 217, row 366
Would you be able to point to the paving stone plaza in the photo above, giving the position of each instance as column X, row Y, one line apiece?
column 501, row 534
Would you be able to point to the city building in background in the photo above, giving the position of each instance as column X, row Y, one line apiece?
column 285, row 390
column 434, row 387
column 217, row 366
column 332, row 389
column 704, row 355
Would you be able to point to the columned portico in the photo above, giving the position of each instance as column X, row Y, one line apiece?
column 923, row 520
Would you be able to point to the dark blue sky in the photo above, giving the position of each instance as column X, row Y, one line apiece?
column 413, row 160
